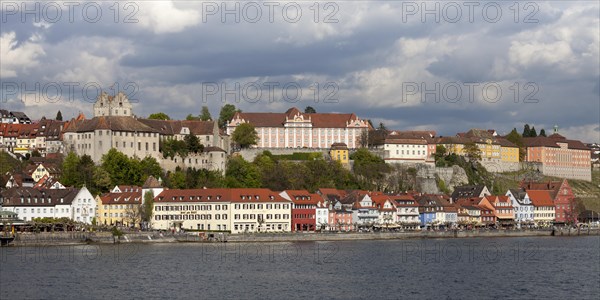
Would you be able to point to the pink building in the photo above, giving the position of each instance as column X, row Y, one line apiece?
column 294, row 129
column 560, row 157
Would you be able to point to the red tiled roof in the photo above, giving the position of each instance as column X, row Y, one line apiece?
column 318, row 120
column 552, row 141
column 540, row 197
column 303, row 197
column 122, row 198
column 172, row 127
column 251, row 195
column 551, row 186
column 115, row 123
column 129, row 188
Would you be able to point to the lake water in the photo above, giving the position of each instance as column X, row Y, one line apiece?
column 515, row 268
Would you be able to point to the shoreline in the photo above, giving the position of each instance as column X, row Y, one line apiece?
column 98, row 238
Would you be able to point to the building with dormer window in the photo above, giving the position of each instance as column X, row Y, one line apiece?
column 294, row 129
column 29, row 203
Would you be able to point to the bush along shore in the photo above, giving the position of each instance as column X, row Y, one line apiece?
column 82, row 238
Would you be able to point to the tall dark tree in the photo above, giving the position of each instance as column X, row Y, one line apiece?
column 515, row 138
column 226, row 114
column 147, row 208
column 205, row 114
column 310, row 110
column 193, row 143
column 526, row 131
column 86, row 168
column 59, row 116
column 542, row 132
column 70, row 172
column 532, row 133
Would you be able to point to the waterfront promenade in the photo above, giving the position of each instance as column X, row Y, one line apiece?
column 78, row 238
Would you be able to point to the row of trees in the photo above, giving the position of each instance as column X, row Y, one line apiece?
column 225, row 115
column 370, row 172
column 172, row 147
column 116, row 168
column 531, row 132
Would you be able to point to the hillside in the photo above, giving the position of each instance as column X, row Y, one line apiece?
column 7, row 163
column 588, row 192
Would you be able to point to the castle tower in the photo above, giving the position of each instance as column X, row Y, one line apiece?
column 107, row 105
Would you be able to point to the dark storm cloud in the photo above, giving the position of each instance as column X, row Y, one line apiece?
column 169, row 65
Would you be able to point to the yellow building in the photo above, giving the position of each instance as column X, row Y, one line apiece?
column 339, row 152
column 492, row 146
column 509, row 152
column 120, row 209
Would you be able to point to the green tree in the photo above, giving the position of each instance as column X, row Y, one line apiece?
column 205, row 114
column 526, row 131
column 148, row 206
column 36, row 153
column 370, row 169
column 226, row 114
column 176, row 180
column 440, row 153
column 515, row 138
column 59, row 116
column 191, row 117
column 86, row 168
column 172, row 147
column 241, row 174
column 193, row 143
column 532, row 133
column 149, row 167
column 472, row 152
column 159, row 116
column 118, row 167
column 542, row 132
column 134, row 172
column 102, row 181
column 209, row 179
column 310, row 110
column 266, row 165
column 70, row 173
column 245, row 135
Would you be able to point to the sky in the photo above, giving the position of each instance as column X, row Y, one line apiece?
column 443, row 66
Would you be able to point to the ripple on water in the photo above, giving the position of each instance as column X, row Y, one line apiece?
column 350, row 270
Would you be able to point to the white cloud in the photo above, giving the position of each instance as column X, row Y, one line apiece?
column 164, row 17
column 586, row 133
column 571, row 44
column 17, row 56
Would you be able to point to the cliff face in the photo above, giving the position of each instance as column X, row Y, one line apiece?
column 451, row 176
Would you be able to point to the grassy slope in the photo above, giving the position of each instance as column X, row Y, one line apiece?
column 588, row 192
column 7, row 163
